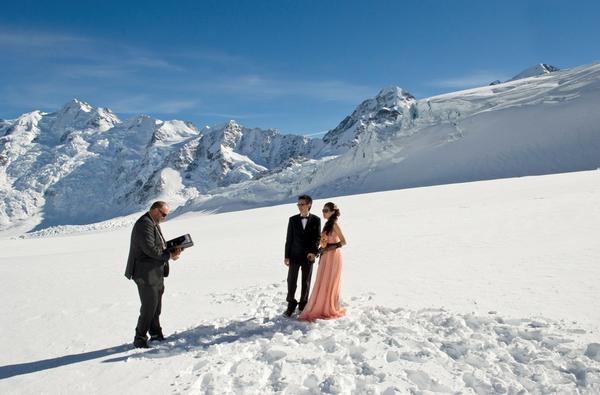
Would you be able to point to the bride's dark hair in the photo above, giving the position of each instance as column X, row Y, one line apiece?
column 335, row 213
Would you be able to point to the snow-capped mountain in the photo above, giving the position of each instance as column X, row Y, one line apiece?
column 524, row 127
column 534, row 71
column 391, row 107
column 82, row 164
column 232, row 153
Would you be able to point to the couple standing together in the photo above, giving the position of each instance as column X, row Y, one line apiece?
column 304, row 242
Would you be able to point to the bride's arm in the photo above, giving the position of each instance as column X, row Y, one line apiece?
column 338, row 230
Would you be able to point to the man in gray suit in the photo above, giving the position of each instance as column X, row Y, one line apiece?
column 148, row 265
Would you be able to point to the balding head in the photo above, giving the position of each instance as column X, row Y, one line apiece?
column 159, row 211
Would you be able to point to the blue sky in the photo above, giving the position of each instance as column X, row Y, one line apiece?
column 298, row 66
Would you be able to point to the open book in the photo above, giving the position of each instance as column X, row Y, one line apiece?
column 182, row 242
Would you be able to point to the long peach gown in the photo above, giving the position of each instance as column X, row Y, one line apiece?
column 324, row 301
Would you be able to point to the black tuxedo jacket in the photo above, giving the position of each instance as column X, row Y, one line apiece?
column 147, row 262
column 300, row 242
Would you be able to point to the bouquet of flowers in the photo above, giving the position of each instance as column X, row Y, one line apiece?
column 323, row 242
column 324, row 246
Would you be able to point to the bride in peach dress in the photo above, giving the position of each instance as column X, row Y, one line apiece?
column 324, row 301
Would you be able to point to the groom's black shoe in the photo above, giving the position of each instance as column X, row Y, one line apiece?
column 140, row 343
column 157, row 338
column 290, row 310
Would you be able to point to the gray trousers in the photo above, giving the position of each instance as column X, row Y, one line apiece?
column 151, row 299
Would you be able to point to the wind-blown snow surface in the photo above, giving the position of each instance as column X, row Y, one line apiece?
column 487, row 287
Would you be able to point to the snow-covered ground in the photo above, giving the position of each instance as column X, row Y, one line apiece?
column 486, row 287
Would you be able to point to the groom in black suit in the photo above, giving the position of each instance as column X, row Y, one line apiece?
column 301, row 247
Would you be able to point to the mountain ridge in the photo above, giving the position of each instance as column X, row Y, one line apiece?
column 51, row 162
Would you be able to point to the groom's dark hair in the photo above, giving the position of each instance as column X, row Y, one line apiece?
column 306, row 198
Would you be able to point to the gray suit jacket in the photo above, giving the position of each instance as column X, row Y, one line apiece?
column 147, row 260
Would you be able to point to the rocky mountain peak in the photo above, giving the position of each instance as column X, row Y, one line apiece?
column 393, row 96
column 386, row 108
column 80, row 115
column 535, row 70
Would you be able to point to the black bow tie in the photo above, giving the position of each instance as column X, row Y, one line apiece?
column 304, row 217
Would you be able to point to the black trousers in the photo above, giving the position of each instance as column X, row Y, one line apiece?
column 151, row 298
column 292, row 282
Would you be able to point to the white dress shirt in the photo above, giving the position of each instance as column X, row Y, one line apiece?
column 304, row 221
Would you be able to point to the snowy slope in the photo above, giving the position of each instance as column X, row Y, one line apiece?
column 486, row 287
column 540, row 125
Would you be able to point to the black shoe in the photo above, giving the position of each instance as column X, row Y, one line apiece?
column 157, row 338
column 290, row 310
column 140, row 344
